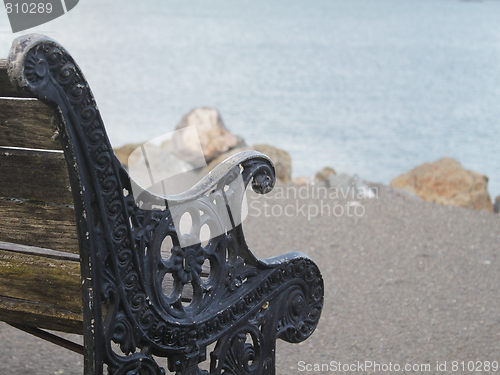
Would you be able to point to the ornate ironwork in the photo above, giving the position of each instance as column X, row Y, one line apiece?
column 244, row 304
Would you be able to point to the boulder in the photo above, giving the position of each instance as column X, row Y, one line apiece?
column 203, row 124
column 162, row 173
column 303, row 180
column 324, row 175
column 447, row 182
column 281, row 159
column 496, row 206
column 123, row 153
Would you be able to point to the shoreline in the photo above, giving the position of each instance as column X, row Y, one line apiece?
column 326, row 181
column 201, row 141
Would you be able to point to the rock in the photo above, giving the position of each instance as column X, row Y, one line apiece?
column 209, row 129
column 303, row 180
column 281, row 159
column 447, row 182
column 324, row 174
column 496, row 206
column 123, row 153
column 163, row 174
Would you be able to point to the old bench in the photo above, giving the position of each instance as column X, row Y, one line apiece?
column 83, row 249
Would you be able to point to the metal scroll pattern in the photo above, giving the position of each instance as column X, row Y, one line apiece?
column 237, row 300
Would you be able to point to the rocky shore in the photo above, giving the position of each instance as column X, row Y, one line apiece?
column 201, row 134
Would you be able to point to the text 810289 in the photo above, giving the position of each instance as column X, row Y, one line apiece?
column 31, row 8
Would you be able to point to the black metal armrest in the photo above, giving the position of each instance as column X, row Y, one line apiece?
column 255, row 167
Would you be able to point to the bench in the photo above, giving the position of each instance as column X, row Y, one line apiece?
column 84, row 249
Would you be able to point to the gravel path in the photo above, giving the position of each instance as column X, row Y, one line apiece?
column 406, row 282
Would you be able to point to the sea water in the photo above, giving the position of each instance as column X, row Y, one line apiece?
column 367, row 87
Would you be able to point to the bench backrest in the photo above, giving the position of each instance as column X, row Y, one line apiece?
column 39, row 262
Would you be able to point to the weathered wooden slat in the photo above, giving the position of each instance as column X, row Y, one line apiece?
column 35, row 314
column 40, row 290
column 40, row 279
column 34, row 175
column 29, row 282
column 38, row 224
column 6, row 88
column 39, row 251
column 27, row 123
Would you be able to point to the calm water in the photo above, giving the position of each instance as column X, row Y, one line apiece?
column 368, row 87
